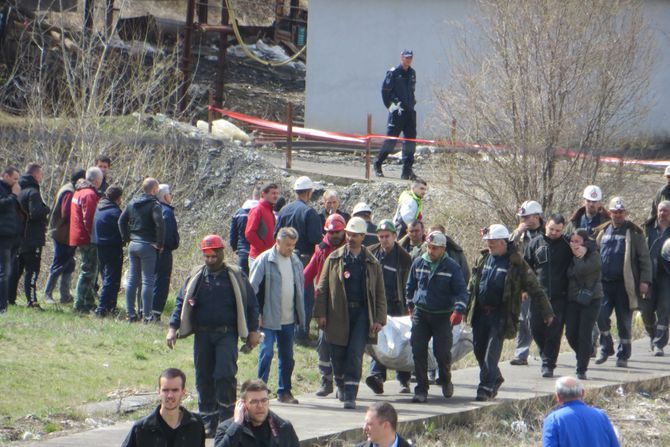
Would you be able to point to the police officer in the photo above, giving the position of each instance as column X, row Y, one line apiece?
column 398, row 97
column 498, row 279
column 350, row 308
column 655, row 309
column 438, row 296
column 626, row 274
column 549, row 256
column 218, row 305
column 395, row 264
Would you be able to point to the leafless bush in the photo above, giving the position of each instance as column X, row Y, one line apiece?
column 544, row 76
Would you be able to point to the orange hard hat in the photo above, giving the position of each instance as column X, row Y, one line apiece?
column 334, row 222
column 211, row 242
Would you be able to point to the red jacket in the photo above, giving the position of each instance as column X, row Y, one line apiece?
column 260, row 228
column 313, row 269
column 82, row 211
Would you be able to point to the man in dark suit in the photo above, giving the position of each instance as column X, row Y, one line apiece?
column 380, row 425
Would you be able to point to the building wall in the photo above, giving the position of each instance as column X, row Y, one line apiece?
column 352, row 43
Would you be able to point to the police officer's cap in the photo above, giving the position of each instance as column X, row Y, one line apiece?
column 407, row 53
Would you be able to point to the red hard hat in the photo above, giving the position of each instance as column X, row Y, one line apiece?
column 334, row 222
column 211, row 242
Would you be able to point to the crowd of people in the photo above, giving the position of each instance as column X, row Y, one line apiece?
column 87, row 217
column 549, row 275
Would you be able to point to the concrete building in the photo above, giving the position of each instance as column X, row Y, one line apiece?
column 352, row 43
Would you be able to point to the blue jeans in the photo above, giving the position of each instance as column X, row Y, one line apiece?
column 142, row 268
column 162, row 285
column 284, row 338
column 5, row 271
column 348, row 360
column 110, row 258
column 487, row 338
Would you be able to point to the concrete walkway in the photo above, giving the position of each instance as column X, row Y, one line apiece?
column 319, row 419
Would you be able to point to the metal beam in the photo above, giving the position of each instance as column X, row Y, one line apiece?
column 186, row 56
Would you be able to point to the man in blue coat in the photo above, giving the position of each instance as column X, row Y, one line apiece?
column 437, row 294
column 574, row 423
column 107, row 237
column 164, row 264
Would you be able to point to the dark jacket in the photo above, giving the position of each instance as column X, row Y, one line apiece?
column 401, row 443
column 331, row 297
column 147, row 432
column 232, row 434
column 106, row 224
column 655, row 239
column 59, row 221
column 399, row 86
column 36, row 211
column 584, row 273
column 519, row 278
column 575, row 220
column 550, row 260
column 306, row 222
column 440, row 290
column 10, row 217
column 637, row 263
column 142, row 221
column 171, row 231
column 402, row 272
column 370, row 235
column 238, row 242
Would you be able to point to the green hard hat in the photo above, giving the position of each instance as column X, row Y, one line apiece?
column 386, row 224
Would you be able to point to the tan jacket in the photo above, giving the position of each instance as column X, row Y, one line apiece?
column 331, row 299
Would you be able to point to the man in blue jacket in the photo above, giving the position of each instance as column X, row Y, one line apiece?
column 107, row 238
column 164, row 264
column 437, row 294
column 575, row 424
column 237, row 241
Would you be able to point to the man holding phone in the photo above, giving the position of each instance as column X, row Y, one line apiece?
column 253, row 424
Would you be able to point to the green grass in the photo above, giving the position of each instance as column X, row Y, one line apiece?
column 55, row 361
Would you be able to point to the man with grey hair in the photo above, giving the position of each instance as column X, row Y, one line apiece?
column 164, row 264
column 574, row 423
column 277, row 279
column 655, row 309
column 141, row 224
column 331, row 205
column 82, row 213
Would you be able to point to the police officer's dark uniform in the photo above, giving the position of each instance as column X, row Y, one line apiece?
column 214, row 317
column 398, row 88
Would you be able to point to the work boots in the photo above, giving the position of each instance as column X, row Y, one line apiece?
column 378, row 169
column 326, row 388
column 350, row 392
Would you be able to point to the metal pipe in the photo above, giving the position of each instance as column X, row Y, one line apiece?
column 367, row 148
column 289, row 135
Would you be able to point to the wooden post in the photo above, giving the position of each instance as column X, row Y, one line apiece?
column 223, row 45
column 186, row 56
column 289, row 135
column 368, row 145
column 210, row 112
column 453, row 130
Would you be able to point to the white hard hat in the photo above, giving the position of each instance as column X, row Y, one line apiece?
column 665, row 250
column 593, row 193
column 495, row 231
column 667, row 170
column 357, row 225
column 528, row 208
column 303, row 183
column 361, row 207
column 617, row 204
